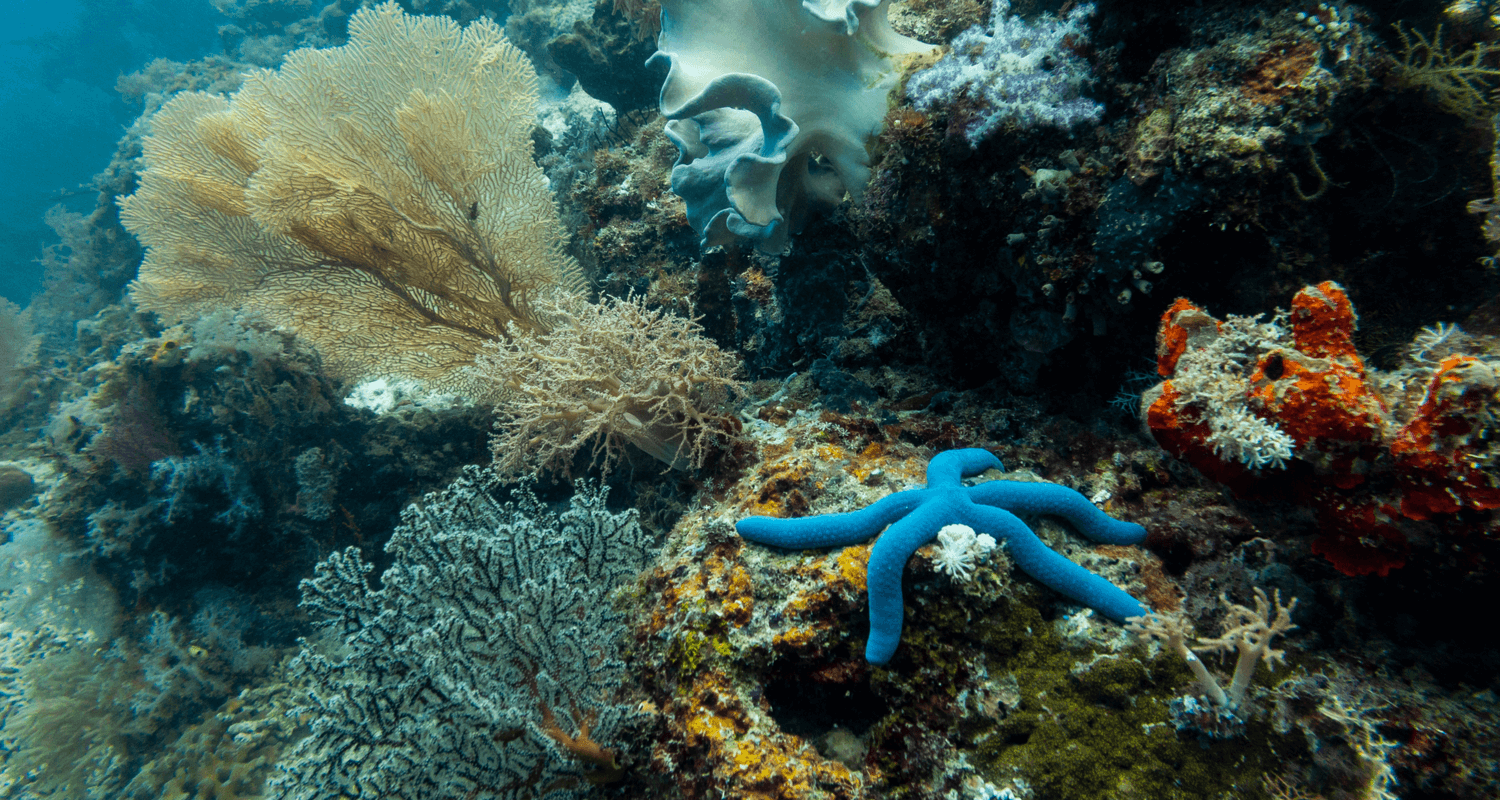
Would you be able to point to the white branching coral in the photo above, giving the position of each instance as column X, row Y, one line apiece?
column 960, row 549
column 1025, row 74
column 1439, row 336
column 1213, row 381
column 1240, row 435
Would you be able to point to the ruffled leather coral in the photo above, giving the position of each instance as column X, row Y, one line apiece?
column 755, row 89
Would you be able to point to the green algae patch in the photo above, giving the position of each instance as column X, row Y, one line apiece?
column 1098, row 726
column 1113, row 682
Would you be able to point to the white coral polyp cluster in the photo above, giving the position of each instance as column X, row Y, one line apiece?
column 1239, row 435
column 1019, row 72
column 1213, row 377
column 960, row 549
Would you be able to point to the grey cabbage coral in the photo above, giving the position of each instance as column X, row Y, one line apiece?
column 755, row 88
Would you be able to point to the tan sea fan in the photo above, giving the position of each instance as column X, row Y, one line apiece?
column 379, row 198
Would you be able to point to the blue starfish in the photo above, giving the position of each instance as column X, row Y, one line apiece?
column 916, row 515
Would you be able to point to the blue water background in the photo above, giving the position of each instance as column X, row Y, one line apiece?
column 60, row 116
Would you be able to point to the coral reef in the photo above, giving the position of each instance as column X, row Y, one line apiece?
column 403, row 241
column 1000, row 686
column 1224, row 127
column 362, row 321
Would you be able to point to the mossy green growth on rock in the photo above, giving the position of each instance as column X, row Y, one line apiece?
column 1097, row 725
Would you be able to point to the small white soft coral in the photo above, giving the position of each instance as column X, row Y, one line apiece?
column 1431, row 338
column 959, row 548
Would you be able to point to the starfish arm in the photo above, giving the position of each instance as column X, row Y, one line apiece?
column 883, row 576
column 1051, row 568
column 950, row 465
column 1051, row 498
column 830, row 530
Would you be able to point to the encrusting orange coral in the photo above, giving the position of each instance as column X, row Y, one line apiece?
column 1362, row 457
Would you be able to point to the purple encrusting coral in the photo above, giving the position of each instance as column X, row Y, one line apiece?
column 1019, row 71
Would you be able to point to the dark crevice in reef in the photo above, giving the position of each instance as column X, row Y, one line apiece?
column 805, row 707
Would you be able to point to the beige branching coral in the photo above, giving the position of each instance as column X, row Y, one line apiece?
column 1247, row 632
column 1173, row 631
column 1459, row 81
column 602, row 376
column 380, row 198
